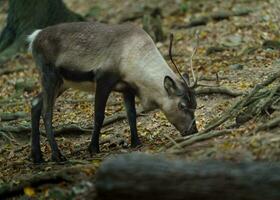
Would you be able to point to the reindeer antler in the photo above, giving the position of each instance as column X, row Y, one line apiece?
column 191, row 61
column 195, row 84
column 171, row 58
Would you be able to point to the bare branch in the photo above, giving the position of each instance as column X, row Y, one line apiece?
column 217, row 79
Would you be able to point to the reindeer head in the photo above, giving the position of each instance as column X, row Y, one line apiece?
column 181, row 112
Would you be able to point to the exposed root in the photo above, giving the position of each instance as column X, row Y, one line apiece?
column 71, row 128
column 269, row 125
column 9, row 70
column 196, row 138
column 259, row 101
column 255, row 103
column 12, row 116
column 218, row 90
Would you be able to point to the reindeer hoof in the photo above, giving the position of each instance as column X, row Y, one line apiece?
column 58, row 157
column 136, row 144
column 37, row 158
column 93, row 150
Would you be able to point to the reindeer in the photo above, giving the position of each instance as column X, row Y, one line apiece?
column 103, row 58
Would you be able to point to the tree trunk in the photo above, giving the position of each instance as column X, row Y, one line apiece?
column 28, row 15
column 140, row 176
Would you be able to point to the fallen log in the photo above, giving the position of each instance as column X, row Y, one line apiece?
column 140, row 176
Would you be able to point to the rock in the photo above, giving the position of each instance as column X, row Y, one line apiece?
column 232, row 41
column 236, row 66
column 271, row 44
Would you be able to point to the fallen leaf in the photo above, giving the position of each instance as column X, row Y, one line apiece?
column 29, row 191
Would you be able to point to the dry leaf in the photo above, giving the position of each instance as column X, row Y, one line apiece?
column 29, row 191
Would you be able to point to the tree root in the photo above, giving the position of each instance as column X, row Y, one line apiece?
column 12, row 50
column 212, row 78
column 256, row 102
column 9, row 137
column 261, row 99
column 12, row 116
column 269, row 125
column 181, row 143
column 15, row 129
column 7, row 71
column 71, row 128
column 218, row 90
column 216, row 16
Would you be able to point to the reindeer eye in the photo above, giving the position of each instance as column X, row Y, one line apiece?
column 182, row 105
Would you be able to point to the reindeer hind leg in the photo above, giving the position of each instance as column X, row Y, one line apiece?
column 52, row 84
column 36, row 110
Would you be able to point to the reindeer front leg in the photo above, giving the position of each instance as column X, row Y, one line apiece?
column 129, row 102
column 104, row 87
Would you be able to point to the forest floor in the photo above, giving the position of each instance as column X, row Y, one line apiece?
column 241, row 62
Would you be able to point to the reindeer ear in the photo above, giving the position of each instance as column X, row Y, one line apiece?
column 170, row 86
column 186, row 78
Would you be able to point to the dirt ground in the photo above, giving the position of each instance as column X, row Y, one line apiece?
column 242, row 36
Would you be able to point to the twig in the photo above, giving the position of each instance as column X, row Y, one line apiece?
column 217, row 79
column 172, row 141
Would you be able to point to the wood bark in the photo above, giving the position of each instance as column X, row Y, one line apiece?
column 28, row 15
column 140, row 176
